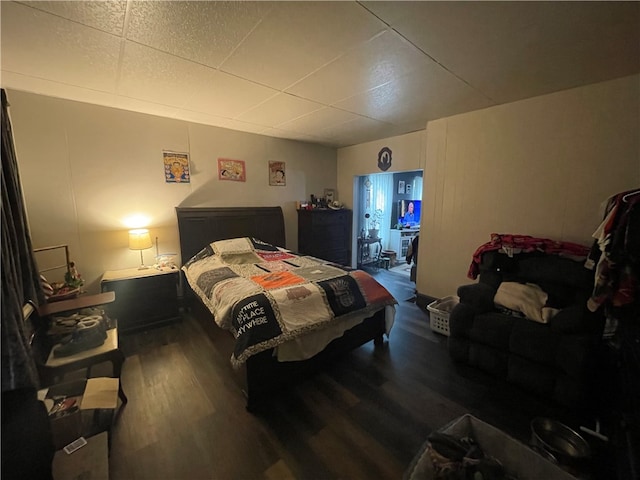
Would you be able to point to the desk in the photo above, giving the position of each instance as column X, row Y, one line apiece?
column 364, row 250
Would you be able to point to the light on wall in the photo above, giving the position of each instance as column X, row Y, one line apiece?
column 140, row 239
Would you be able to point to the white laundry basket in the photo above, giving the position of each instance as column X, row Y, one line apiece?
column 439, row 312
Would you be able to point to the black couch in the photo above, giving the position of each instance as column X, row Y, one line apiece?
column 556, row 360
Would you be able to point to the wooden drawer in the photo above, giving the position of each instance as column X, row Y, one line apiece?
column 325, row 234
column 142, row 301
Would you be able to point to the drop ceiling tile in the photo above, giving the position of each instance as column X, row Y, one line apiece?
column 135, row 105
column 296, row 38
column 153, row 76
column 105, row 16
column 290, row 135
column 205, row 119
column 49, row 88
column 225, row 95
column 205, row 32
column 376, row 62
column 244, row 126
column 515, row 50
column 38, row 44
column 317, row 120
column 428, row 93
column 279, row 109
column 198, row 117
column 358, row 130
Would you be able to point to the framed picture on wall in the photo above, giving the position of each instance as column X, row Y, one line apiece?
column 277, row 174
column 176, row 167
column 231, row 170
column 401, row 186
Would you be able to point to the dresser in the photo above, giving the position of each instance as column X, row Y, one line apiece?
column 144, row 298
column 325, row 234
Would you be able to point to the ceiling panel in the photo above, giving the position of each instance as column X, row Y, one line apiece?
column 158, row 77
column 225, row 95
column 334, row 73
column 514, row 50
column 105, row 16
column 56, row 89
column 55, row 49
column 376, row 62
column 278, row 110
column 205, row 32
column 427, row 93
column 296, row 38
column 316, row 121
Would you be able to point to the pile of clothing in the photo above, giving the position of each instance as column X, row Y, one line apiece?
column 462, row 459
column 83, row 330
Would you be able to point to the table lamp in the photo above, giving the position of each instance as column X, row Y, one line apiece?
column 139, row 239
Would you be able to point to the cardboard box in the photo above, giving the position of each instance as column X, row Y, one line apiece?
column 71, row 406
column 518, row 459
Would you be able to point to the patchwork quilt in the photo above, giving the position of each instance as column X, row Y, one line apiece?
column 266, row 295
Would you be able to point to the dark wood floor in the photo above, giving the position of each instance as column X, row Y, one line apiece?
column 364, row 417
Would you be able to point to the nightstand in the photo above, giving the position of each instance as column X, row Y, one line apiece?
column 144, row 298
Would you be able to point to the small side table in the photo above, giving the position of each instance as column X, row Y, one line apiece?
column 364, row 251
column 144, row 298
column 53, row 369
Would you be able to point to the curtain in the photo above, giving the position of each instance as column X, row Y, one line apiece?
column 20, row 278
column 382, row 198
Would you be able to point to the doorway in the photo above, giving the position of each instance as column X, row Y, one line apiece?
column 387, row 211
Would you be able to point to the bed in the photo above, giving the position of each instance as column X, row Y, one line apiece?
column 224, row 250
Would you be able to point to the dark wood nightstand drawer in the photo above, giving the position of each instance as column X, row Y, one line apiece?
column 144, row 298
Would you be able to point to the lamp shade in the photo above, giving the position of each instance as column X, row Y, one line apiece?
column 139, row 239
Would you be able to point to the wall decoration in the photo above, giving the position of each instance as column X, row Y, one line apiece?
column 231, row 170
column 176, row 167
column 367, row 200
column 276, row 174
column 384, row 159
column 401, row 187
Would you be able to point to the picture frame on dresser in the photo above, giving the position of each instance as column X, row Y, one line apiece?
column 329, row 195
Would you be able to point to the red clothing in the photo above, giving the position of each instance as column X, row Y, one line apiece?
column 524, row 244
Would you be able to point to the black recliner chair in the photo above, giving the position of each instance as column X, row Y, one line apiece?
column 557, row 359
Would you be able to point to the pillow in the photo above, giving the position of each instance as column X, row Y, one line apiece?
column 232, row 245
column 527, row 298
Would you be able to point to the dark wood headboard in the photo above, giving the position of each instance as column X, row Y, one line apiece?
column 198, row 227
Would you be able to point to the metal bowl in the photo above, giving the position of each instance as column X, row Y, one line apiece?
column 558, row 442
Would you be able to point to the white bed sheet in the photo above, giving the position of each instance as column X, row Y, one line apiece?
column 306, row 346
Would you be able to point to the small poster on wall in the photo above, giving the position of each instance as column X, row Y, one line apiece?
column 176, row 167
column 231, row 170
column 276, row 174
column 401, row 186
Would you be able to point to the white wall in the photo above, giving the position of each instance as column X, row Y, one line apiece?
column 85, row 168
column 540, row 167
column 408, row 153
